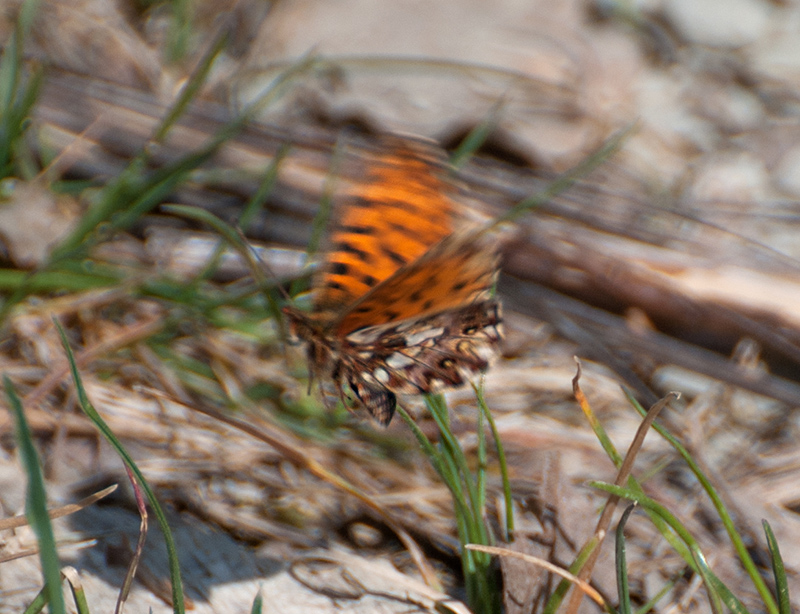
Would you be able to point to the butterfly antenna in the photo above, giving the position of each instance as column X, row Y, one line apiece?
column 258, row 265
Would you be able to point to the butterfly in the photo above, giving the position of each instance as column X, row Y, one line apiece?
column 403, row 299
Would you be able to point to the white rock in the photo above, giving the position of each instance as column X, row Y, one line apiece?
column 777, row 55
column 719, row 23
column 740, row 178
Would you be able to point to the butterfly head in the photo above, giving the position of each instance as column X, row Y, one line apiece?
column 304, row 328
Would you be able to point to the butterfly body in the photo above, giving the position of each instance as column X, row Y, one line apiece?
column 403, row 304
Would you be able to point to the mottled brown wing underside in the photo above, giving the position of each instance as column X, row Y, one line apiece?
column 425, row 355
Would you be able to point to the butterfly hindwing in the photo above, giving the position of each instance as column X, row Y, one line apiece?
column 426, row 355
column 456, row 271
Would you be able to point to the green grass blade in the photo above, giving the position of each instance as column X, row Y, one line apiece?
column 501, row 459
column 22, row 111
column 719, row 506
column 611, row 450
column 15, row 105
column 445, row 469
column 623, row 590
column 26, row 15
column 258, row 603
column 22, row 283
column 552, row 605
column 192, row 87
column 16, row 123
column 602, row 436
column 278, row 86
column 452, row 451
column 163, row 183
column 651, row 603
column 130, row 196
column 624, row 465
column 477, row 136
column 483, row 462
column 227, row 232
column 251, row 209
column 91, row 412
column 238, row 242
column 180, row 30
column 721, row 592
column 778, row 570
column 449, row 462
column 38, row 603
column 36, row 504
column 469, row 499
column 134, row 193
column 81, row 604
column 567, row 179
column 717, row 591
column 259, row 198
column 115, row 195
column 50, row 281
column 9, row 73
column 78, row 592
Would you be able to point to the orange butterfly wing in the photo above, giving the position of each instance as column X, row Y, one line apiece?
column 390, row 219
column 457, row 271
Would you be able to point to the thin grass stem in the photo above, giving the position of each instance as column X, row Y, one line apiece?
column 36, row 504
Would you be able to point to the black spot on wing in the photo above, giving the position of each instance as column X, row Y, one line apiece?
column 406, row 231
column 405, row 205
column 359, row 202
column 393, row 256
column 365, row 203
column 356, row 230
column 349, row 249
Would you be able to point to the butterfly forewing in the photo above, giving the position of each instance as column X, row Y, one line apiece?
column 390, row 218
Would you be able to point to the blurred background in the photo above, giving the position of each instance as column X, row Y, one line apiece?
column 674, row 265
